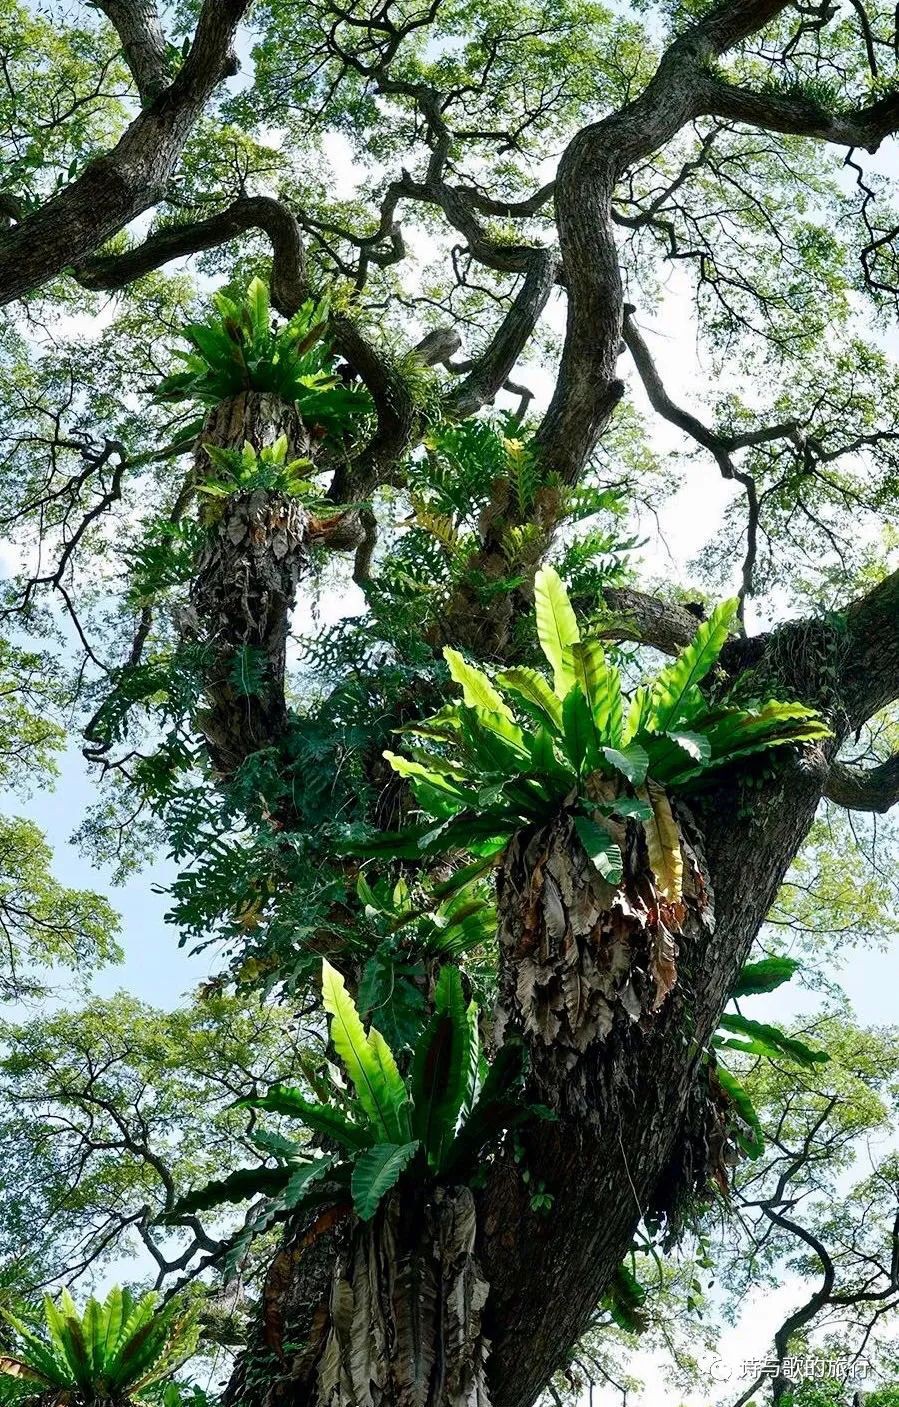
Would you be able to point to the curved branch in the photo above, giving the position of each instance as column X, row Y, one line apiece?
column 289, row 287
column 588, row 386
column 647, row 620
column 131, row 177
column 864, row 788
column 493, row 367
column 797, row 116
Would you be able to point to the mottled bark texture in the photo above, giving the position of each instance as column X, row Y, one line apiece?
column 584, row 973
column 255, row 551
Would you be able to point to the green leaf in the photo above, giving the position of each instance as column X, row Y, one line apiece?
column 301, row 1178
column 376, row 1172
column 258, row 308
column 492, row 743
column 772, row 1041
column 557, row 628
column 764, row 976
column 631, row 761
column 281, row 1099
column 495, row 1111
column 578, row 731
column 40, row 1357
column 473, row 1073
column 477, row 690
column 440, row 1068
column 238, row 1186
column 601, row 684
column 676, row 680
column 637, row 713
column 64, row 1324
column 548, row 764
column 367, row 1059
column 387, row 995
column 601, row 848
column 755, row 1145
column 530, row 685
column 695, row 745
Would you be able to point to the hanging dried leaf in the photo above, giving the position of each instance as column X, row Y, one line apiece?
column 663, row 844
column 662, row 963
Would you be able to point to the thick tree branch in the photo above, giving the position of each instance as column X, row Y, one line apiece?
column 588, row 386
column 493, row 367
column 647, row 620
column 289, row 287
column 865, row 127
column 143, row 44
column 864, row 788
column 870, row 670
column 131, row 177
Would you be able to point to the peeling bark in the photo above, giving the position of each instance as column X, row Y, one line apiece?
column 406, row 1302
column 630, row 1118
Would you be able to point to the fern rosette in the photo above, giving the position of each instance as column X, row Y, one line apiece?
column 242, row 349
column 432, row 1121
column 118, row 1351
column 519, row 746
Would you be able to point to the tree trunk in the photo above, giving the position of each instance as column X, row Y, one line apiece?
column 635, row 1123
column 255, row 552
column 584, row 978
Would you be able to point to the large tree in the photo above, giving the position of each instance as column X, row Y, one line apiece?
column 540, row 157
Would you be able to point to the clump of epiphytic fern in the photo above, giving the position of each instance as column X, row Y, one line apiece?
column 477, row 471
column 428, row 1125
column 242, row 349
column 117, row 1351
column 517, row 747
column 243, row 470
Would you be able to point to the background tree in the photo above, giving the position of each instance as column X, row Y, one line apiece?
column 599, row 876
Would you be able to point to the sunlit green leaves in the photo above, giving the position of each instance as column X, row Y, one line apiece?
column 432, row 1123
column 116, row 1350
column 240, row 350
column 479, row 772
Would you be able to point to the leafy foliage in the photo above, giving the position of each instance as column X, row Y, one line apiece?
column 240, row 351
column 164, row 559
column 117, row 1350
column 740, row 1034
column 113, row 1105
column 432, row 1122
column 244, row 470
column 486, row 771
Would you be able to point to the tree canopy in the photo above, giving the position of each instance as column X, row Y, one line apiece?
column 449, row 488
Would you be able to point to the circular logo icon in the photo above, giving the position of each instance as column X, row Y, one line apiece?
column 719, row 1371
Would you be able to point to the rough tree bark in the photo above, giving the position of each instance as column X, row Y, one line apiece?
column 255, row 551
column 462, row 1297
column 624, row 1071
